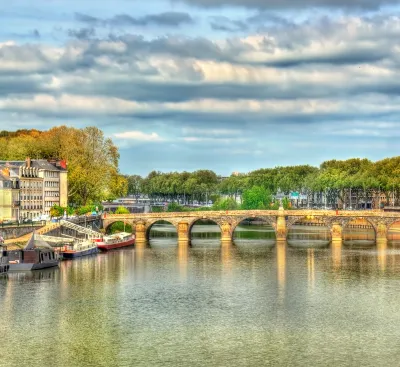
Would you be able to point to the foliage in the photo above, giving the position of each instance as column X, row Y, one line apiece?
column 135, row 183
column 88, row 209
column 335, row 179
column 157, row 209
column 286, row 204
column 225, row 204
column 58, row 211
column 92, row 159
column 122, row 210
column 119, row 227
column 257, row 197
column 174, row 207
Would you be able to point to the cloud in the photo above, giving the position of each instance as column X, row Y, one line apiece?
column 227, row 25
column 138, row 135
column 82, row 33
column 166, row 19
column 305, row 82
column 85, row 18
column 294, row 4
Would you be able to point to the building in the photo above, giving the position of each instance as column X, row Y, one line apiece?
column 9, row 197
column 38, row 184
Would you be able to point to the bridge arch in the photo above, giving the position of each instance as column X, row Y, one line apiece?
column 265, row 220
column 315, row 231
column 393, row 231
column 149, row 226
column 128, row 223
column 355, row 230
column 215, row 222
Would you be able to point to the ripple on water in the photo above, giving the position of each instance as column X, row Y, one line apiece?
column 247, row 304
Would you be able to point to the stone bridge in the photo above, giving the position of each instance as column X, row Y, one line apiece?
column 280, row 220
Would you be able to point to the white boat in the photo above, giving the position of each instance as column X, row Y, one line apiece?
column 117, row 240
column 79, row 249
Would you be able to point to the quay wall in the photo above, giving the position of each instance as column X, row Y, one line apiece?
column 15, row 232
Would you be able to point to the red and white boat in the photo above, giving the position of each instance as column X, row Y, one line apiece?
column 117, row 240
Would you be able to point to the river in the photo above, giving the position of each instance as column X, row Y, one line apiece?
column 252, row 303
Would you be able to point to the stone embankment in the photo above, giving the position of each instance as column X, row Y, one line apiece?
column 17, row 243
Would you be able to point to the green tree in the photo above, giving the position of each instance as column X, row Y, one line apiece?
column 257, row 197
column 225, row 204
column 174, row 207
column 122, row 210
column 135, row 183
column 118, row 227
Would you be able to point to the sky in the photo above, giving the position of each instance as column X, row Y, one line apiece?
column 227, row 85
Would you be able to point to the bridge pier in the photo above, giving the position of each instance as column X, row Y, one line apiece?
column 140, row 232
column 381, row 234
column 337, row 233
column 281, row 230
column 183, row 233
column 226, row 233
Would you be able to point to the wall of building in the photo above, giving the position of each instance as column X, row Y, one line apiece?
column 63, row 188
column 5, row 204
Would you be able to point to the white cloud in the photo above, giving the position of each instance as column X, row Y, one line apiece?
column 138, row 135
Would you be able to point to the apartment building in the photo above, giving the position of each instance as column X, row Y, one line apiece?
column 40, row 184
column 9, row 197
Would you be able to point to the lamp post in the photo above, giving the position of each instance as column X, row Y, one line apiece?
column 393, row 195
column 379, row 200
column 350, row 199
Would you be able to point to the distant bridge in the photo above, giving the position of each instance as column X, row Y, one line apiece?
column 280, row 220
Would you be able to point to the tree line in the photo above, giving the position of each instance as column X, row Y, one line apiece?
column 92, row 159
column 337, row 180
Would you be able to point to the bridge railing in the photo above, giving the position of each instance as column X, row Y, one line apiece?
column 19, row 224
column 255, row 213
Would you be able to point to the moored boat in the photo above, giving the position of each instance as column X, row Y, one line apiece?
column 4, row 265
column 117, row 240
column 79, row 249
column 37, row 254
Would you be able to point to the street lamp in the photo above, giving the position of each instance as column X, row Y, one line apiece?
column 350, row 198
column 393, row 195
column 379, row 199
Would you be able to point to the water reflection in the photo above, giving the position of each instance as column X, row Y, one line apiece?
column 308, row 236
column 311, row 267
column 256, row 233
column 281, row 265
column 336, row 254
column 382, row 256
column 193, row 306
column 359, row 233
column 183, row 260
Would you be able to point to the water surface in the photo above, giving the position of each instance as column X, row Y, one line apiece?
column 252, row 303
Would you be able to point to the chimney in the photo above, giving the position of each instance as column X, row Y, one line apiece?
column 28, row 162
column 63, row 164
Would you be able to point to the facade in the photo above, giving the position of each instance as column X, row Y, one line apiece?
column 5, row 197
column 38, row 185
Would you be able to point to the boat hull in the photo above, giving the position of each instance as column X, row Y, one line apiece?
column 106, row 247
column 33, row 266
column 76, row 254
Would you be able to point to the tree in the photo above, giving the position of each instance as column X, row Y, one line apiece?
column 256, row 197
column 92, row 159
column 174, row 207
column 122, row 210
column 225, row 204
column 135, row 183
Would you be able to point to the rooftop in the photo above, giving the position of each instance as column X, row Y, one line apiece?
column 41, row 164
